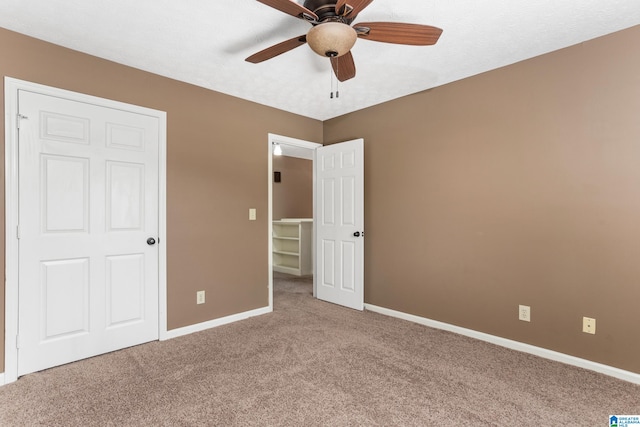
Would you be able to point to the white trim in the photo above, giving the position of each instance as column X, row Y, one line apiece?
column 611, row 371
column 285, row 140
column 2, row 379
column 270, row 220
column 11, row 87
column 162, row 227
column 199, row 327
column 314, row 230
column 11, row 223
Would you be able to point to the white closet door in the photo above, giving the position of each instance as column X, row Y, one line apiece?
column 88, row 190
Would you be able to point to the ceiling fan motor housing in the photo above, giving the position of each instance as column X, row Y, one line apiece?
column 326, row 11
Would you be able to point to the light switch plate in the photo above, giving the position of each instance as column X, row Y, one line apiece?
column 200, row 297
column 252, row 214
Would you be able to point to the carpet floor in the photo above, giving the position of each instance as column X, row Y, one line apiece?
column 311, row 363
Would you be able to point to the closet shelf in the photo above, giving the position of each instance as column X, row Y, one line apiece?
column 287, row 253
column 292, row 246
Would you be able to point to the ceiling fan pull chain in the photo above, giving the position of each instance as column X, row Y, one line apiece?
column 337, row 79
column 331, row 82
column 337, row 71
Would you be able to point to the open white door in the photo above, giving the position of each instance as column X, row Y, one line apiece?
column 339, row 218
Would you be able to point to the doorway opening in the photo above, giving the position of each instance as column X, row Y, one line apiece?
column 291, row 208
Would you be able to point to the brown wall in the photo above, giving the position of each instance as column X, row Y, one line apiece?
column 293, row 196
column 517, row 186
column 216, row 170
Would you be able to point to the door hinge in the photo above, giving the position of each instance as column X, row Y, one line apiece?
column 17, row 341
column 20, row 118
column 17, row 231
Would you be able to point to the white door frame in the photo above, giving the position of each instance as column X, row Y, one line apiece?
column 285, row 140
column 11, row 87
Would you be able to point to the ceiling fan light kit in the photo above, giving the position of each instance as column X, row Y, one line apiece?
column 333, row 36
column 331, row 39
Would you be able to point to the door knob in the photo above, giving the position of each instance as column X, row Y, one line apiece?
column 356, row 234
column 151, row 241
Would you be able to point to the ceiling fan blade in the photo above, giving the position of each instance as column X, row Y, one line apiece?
column 399, row 33
column 277, row 49
column 344, row 67
column 291, row 8
column 353, row 7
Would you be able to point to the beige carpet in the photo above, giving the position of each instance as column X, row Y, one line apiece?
column 312, row 363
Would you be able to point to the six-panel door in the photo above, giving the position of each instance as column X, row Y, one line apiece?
column 340, row 223
column 88, row 185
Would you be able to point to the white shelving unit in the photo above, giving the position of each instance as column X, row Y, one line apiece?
column 292, row 246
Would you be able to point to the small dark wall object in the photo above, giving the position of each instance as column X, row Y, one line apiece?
column 276, row 177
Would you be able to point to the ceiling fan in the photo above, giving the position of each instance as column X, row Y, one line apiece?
column 333, row 36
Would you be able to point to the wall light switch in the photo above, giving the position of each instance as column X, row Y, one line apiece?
column 200, row 297
column 252, row 214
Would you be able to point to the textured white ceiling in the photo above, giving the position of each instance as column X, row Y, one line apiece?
column 205, row 42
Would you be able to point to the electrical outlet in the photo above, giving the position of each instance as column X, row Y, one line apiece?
column 588, row 325
column 200, row 297
column 524, row 313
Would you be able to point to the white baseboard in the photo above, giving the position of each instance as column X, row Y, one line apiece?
column 2, row 379
column 198, row 327
column 514, row 345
